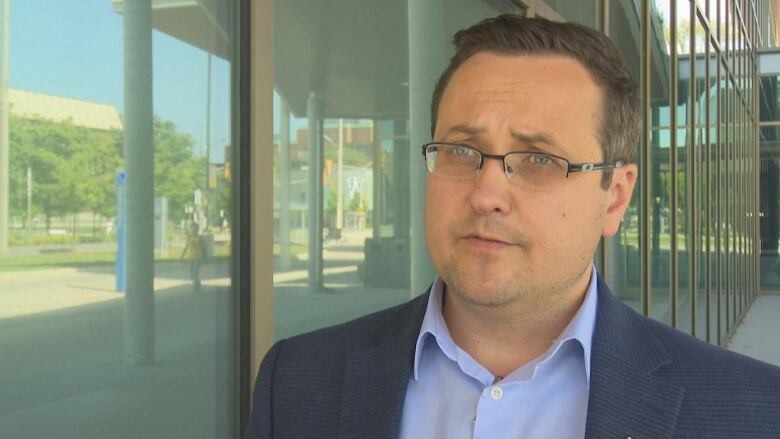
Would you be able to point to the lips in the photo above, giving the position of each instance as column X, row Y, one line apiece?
column 483, row 242
column 488, row 239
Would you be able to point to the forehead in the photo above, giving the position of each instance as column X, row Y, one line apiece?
column 492, row 70
column 522, row 92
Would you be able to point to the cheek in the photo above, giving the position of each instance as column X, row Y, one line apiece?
column 439, row 212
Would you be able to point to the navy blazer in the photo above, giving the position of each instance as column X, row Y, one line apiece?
column 647, row 381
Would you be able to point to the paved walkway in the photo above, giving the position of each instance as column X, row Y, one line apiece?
column 757, row 335
column 61, row 338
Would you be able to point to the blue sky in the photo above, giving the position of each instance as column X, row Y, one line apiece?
column 74, row 49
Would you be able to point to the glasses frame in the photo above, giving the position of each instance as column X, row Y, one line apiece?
column 570, row 167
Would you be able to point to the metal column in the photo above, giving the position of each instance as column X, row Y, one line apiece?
column 314, row 114
column 284, row 186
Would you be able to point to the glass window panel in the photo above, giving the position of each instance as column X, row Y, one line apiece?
column 624, row 272
column 682, row 235
column 587, row 12
column 713, row 181
column 701, row 105
column 769, row 98
column 118, row 307
column 342, row 118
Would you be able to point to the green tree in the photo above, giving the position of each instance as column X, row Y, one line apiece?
column 177, row 171
column 69, row 166
column 74, row 168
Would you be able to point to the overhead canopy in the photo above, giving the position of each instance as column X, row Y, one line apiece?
column 205, row 24
column 354, row 53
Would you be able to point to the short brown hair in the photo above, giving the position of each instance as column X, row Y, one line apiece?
column 510, row 34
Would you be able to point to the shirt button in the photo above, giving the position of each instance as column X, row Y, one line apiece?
column 496, row 393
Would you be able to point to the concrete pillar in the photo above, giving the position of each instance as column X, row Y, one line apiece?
column 139, row 164
column 376, row 212
column 428, row 53
column 340, row 177
column 314, row 114
column 401, row 204
column 5, row 177
column 284, row 186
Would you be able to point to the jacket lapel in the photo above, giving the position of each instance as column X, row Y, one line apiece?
column 376, row 376
column 626, row 398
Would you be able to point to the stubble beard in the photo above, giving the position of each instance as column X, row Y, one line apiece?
column 478, row 285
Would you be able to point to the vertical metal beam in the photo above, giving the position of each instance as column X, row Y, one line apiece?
column 240, row 215
column 139, row 164
column 732, row 174
column 645, row 169
column 725, row 150
column 707, row 188
column 285, row 179
column 259, row 173
column 314, row 115
column 757, row 183
column 690, row 165
column 673, row 269
column 719, row 182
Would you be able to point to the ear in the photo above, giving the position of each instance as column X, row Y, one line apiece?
column 618, row 198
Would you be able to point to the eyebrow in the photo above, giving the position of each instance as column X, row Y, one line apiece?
column 535, row 138
column 464, row 129
column 526, row 138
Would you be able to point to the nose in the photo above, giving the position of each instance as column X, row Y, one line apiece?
column 491, row 194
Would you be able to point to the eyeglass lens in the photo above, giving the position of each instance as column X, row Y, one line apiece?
column 523, row 168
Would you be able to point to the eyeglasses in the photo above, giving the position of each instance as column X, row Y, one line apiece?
column 525, row 168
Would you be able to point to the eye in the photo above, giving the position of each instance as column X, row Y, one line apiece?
column 540, row 159
column 461, row 151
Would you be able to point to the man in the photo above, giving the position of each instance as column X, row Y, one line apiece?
column 534, row 127
column 196, row 247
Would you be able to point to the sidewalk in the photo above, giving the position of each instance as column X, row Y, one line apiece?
column 61, row 338
column 757, row 335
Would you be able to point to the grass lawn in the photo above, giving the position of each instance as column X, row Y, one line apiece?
column 65, row 259
column 86, row 259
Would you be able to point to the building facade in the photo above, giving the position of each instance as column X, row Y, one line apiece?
column 312, row 214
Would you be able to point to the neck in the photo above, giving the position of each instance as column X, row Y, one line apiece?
column 528, row 326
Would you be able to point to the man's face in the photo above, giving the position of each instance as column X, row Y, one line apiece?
column 494, row 242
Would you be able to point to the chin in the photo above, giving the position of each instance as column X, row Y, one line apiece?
column 483, row 291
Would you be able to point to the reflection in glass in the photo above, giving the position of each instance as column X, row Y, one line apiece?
column 587, row 12
column 682, row 236
column 660, row 165
column 83, row 356
column 624, row 274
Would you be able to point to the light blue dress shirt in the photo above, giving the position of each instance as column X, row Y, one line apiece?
column 450, row 395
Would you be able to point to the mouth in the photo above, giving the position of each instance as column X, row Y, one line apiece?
column 486, row 241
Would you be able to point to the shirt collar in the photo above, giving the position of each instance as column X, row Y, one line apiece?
column 579, row 329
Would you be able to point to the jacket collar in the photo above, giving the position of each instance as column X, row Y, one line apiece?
column 376, row 375
column 626, row 398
